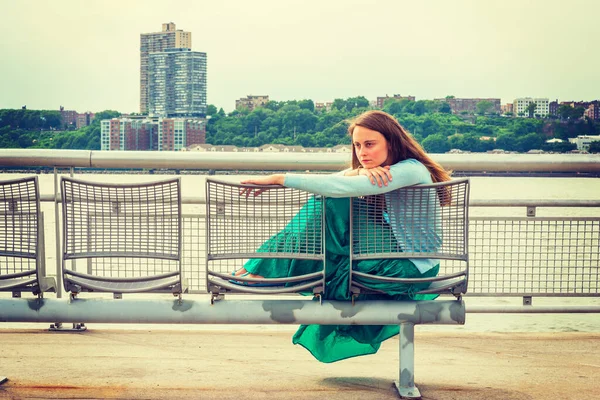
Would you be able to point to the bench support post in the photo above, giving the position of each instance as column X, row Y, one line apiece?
column 406, row 383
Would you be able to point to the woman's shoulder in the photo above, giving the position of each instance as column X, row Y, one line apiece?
column 410, row 163
column 413, row 166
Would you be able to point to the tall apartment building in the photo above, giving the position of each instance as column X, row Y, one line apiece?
column 520, row 106
column 177, row 83
column 251, row 102
column 168, row 38
column 381, row 100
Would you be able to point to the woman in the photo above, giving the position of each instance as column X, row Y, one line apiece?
column 384, row 158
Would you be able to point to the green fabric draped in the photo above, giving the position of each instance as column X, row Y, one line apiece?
column 330, row 343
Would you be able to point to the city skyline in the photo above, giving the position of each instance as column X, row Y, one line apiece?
column 85, row 56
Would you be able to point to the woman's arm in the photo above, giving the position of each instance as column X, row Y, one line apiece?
column 405, row 173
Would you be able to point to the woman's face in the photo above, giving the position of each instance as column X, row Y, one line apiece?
column 370, row 147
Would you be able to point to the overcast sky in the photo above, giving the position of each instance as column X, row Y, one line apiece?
column 84, row 55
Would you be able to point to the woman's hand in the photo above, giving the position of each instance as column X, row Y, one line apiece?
column 378, row 175
column 275, row 179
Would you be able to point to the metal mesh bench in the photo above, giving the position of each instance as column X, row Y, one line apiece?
column 122, row 238
column 281, row 223
column 22, row 261
column 417, row 222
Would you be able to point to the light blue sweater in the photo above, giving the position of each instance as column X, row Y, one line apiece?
column 405, row 173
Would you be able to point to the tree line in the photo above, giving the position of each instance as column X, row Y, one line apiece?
column 298, row 122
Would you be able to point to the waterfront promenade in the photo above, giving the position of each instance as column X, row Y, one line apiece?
column 492, row 356
column 218, row 362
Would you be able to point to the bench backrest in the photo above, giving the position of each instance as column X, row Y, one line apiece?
column 127, row 232
column 420, row 223
column 22, row 237
column 280, row 223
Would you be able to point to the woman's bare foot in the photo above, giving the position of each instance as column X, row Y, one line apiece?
column 246, row 274
column 253, row 276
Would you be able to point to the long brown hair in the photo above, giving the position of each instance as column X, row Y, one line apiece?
column 401, row 145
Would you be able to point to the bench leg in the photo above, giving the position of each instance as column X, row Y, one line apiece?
column 406, row 385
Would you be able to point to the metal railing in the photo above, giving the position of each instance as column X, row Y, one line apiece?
column 520, row 256
column 253, row 161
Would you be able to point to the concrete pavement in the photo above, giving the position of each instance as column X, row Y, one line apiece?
column 256, row 363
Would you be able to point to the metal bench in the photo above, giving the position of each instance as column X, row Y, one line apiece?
column 22, row 261
column 280, row 223
column 417, row 222
column 123, row 238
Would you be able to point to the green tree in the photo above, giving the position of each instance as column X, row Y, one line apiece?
column 531, row 141
column 594, row 147
column 564, row 111
column 561, row 147
column 577, row 112
column 484, row 107
column 339, row 104
column 356, row 102
column 211, row 110
column 437, row 143
column 445, row 108
column 531, row 109
column 506, row 141
column 307, row 105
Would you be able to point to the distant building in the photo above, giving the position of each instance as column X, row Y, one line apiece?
column 270, row 148
column 324, row 106
column 520, row 106
column 73, row 119
column 469, row 106
column 84, row 119
column 128, row 134
column 178, row 133
column 381, row 100
column 507, row 108
column 251, row 102
column 553, row 108
column 169, row 38
column 177, row 83
column 164, row 134
column 583, row 141
column 593, row 111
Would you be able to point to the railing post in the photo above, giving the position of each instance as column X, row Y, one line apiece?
column 406, row 383
column 57, row 240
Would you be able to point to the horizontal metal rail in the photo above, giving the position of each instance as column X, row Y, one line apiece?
column 186, row 311
column 473, row 203
column 533, row 309
column 298, row 161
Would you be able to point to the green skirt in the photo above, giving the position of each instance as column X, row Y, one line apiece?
column 330, row 343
